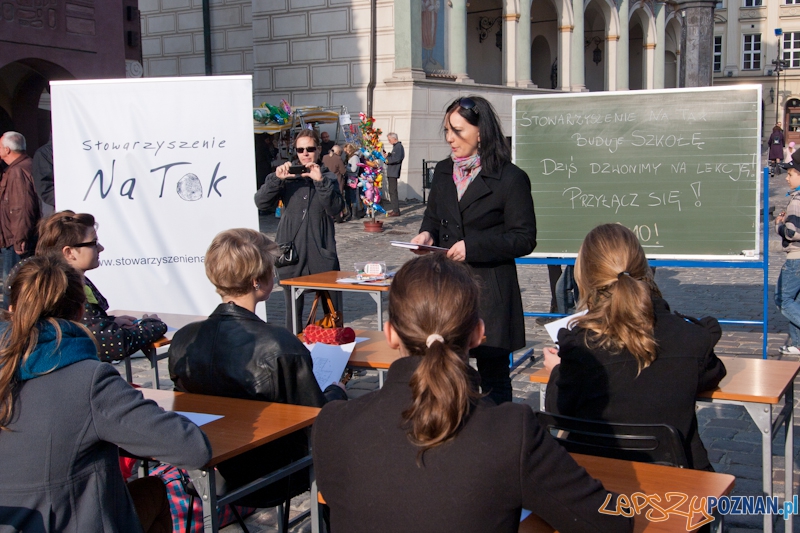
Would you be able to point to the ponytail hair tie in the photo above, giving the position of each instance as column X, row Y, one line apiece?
column 623, row 273
column 433, row 337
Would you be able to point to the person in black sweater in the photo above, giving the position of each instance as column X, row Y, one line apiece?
column 629, row 359
column 449, row 460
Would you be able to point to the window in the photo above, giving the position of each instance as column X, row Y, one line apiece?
column 793, row 1
column 791, row 49
column 717, row 53
column 752, row 3
column 751, row 58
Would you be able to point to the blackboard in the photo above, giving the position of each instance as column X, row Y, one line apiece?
column 679, row 167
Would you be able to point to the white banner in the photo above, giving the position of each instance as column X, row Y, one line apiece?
column 164, row 164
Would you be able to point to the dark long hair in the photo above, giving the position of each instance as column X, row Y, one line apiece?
column 493, row 149
column 44, row 288
column 433, row 295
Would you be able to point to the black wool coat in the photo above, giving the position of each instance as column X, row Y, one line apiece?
column 314, row 236
column 598, row 385
column 500, row 462
column 495, row 219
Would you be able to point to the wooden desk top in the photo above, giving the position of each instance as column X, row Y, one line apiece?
column 246, row 424
column 748, row 380
column 627, row 477
column 373, row 353
column 327, row 280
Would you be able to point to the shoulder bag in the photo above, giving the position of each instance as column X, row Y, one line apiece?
column 289, row 255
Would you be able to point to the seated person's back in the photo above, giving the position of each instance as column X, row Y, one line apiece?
column 629, row 359
column 235, row 354
column 64, row 414
column 433, row 456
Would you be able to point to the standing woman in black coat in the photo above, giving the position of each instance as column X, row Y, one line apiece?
column 310, row 201
column 480, row 207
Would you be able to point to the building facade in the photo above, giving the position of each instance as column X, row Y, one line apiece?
column 46, row 40
column 426, row 53
column 747, row 48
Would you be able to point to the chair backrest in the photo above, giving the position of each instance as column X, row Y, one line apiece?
column 645, row 443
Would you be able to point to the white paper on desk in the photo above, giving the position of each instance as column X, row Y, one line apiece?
column 329, row 361
column 348, row 280
column 361, row 339
column 199, row 419
column 553, row 327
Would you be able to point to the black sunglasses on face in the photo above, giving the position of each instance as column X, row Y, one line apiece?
column 310, row 150
column 90, row 244
column 466, row 103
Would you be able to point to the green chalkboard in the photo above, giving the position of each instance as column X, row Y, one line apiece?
column 679, row 167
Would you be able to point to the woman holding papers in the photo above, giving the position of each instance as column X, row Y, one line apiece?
column 446, row 459
column 628, row 359
column 480, row 207
column 64, row 415
column 235, row 354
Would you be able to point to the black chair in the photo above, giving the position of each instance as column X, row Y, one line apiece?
column 644, row 443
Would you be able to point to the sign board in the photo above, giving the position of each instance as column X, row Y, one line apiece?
column 679, row 167
column 164, row 164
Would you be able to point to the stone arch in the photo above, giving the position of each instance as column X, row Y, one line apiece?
column 672, row 50
column 24, row 81
column 545, row 21
column 641, row 50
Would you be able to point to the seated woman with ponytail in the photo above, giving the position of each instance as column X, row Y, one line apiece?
column 64, row 415
column 445, row 460
column 629, row 359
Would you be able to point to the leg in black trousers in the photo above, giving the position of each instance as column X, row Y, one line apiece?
column 393, row 197
column 495, row 375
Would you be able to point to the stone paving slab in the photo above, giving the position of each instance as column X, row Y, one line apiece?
column 732, row 439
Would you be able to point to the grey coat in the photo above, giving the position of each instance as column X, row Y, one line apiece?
column 314, row 236
column 394, row 161
column 60, row 468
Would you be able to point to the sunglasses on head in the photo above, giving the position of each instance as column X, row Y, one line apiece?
column 90, row 244
column 310, row 150
column 466, row 103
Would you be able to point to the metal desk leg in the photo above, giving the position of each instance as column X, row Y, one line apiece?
column 152, row 354
column 376, row 296
column 128, row 370
column 314, row 500
column 788, row 455
column 542, row 392
column 293, row 295
column 205, row 484
column 381, row 376
column 762, row 416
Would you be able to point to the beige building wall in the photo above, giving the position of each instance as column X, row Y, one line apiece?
column 735, row 19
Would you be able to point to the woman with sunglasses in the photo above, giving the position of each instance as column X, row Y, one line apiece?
column 311, row 200
column 73, row 237
column 480, row 208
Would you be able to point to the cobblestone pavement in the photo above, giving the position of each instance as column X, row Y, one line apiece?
column 729, row 434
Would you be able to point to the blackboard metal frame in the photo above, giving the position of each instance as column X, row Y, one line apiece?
column 762, row 264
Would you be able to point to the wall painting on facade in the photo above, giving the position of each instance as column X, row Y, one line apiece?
column 432, row 35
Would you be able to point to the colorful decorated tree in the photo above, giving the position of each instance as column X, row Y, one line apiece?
column 373, row 159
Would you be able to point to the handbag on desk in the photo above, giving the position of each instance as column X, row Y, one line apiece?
column 328, row 329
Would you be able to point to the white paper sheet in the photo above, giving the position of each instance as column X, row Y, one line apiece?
column 525, row 514
column 361, row 339
column 553, row 327
column 329, row 361
column 199, row 419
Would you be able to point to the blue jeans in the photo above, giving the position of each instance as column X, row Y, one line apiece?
column 10, row 259
column 787, row 291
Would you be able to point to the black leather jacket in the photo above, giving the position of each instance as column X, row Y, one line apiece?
column 235, row 354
